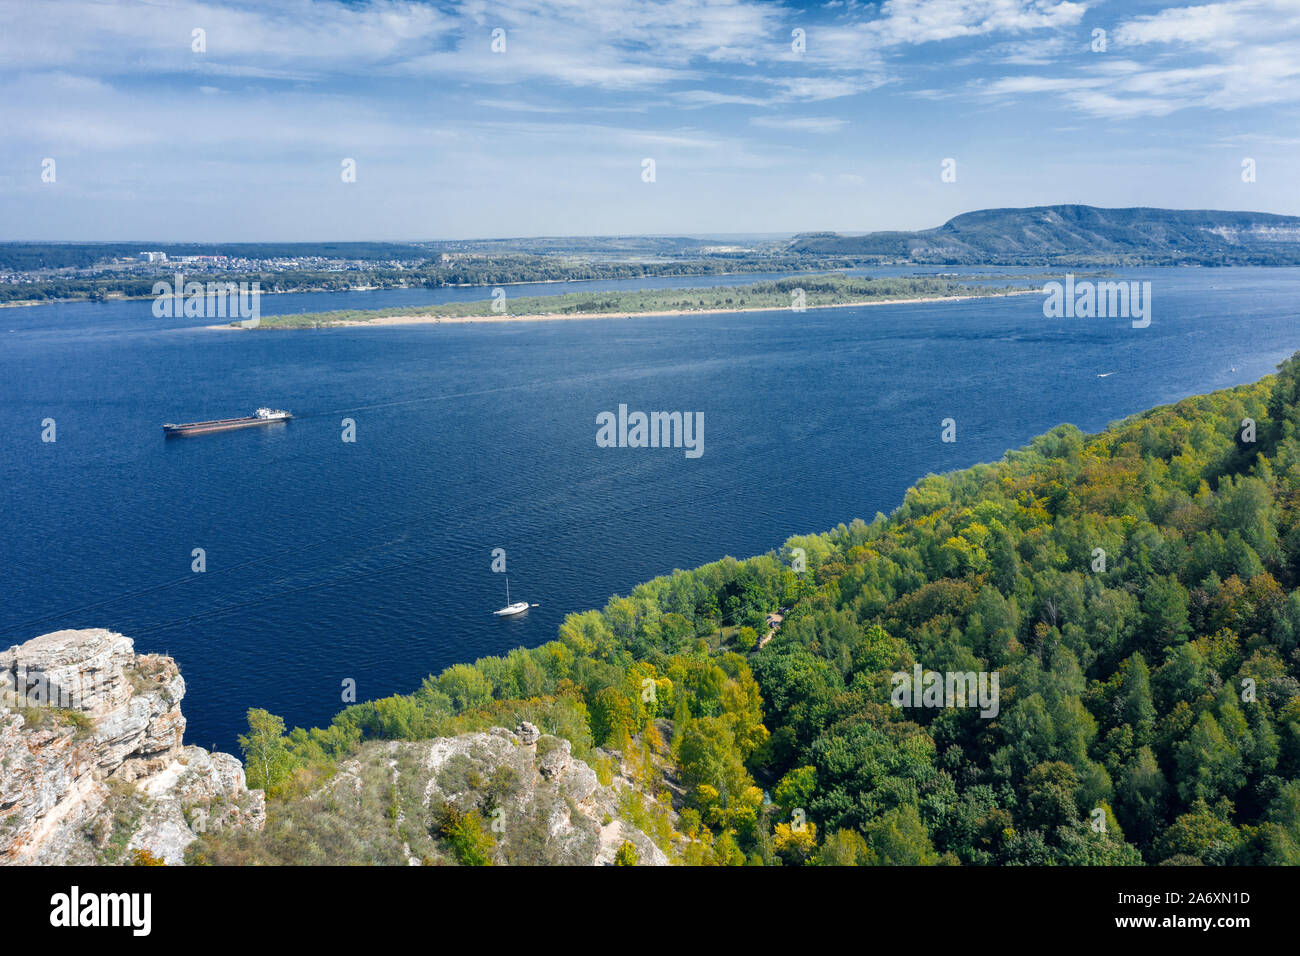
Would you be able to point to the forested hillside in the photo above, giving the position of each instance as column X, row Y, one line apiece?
column 1082, row 234
column 1135, row 591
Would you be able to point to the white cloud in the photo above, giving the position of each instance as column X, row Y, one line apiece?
column 801, row 124
column 120, row 38
column 710, row 88
column 926, row 21
column 810, row 88
column 715, row 98
column 1213, row 25
column 1218, row 56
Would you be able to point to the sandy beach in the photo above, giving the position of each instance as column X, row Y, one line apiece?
column 431, row 319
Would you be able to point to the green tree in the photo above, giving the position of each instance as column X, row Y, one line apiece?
column 470, row 843
column 1201, row 835
column 626, row 855
column 1209, row 764
column 899, row 838
column 707, row 755
column 1141, row 797
column 1050, row 792
column 1164, row 612
column 266, row 757
column 465, row 685
column 746, row 638
column 796, row 789
column 844, row 848
column 611, row 719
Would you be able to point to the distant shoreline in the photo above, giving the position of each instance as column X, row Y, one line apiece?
column 119, row 297
column 426, row 318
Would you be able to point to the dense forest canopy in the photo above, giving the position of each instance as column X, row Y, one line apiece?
column 1134, row 590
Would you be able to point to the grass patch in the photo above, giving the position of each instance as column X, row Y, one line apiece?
column 816, row 290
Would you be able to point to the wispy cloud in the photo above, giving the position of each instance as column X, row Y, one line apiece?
column 801, row 124
column 1219, row 56
column 547, row 121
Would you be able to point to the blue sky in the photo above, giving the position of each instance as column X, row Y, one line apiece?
column 245, row 140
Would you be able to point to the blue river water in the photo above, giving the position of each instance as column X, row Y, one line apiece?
column 370, row 560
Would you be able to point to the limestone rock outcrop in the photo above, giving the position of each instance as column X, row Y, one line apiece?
column 92, row 765
column 527, row 733
column 541, row 805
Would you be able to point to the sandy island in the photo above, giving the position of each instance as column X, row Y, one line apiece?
column 431, row 319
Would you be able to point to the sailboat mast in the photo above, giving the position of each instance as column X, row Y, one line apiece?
column 507, row 592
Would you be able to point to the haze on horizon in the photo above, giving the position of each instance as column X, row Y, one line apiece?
column 245, row 139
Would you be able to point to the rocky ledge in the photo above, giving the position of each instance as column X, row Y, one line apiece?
column 544, row 806
column 515, row 798
column 92, row 768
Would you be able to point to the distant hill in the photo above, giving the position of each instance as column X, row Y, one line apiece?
column 1046, row 234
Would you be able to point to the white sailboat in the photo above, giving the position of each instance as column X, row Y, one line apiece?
column 510, row 610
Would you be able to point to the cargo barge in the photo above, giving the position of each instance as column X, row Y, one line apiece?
column 263, row 416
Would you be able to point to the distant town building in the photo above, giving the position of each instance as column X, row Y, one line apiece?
column 152, row 257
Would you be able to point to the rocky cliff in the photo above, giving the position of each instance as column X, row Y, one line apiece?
column 532, row 802
column 543, row 805
column 92, row 767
